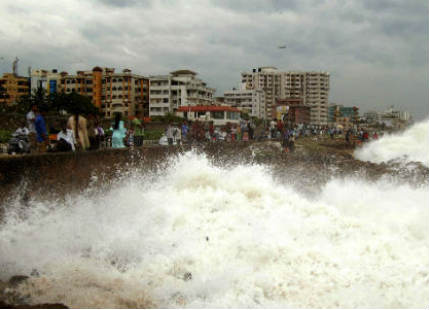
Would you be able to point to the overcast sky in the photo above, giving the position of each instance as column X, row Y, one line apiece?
column 375, row 50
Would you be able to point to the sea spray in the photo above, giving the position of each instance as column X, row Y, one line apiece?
column 410, row 145
column 198, row 235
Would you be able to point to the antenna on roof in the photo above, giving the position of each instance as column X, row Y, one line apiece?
column 15, row 66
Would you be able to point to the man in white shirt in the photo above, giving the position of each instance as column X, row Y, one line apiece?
column 66, row 140
column 31, row 116
column 170, row 134
column 273, row 128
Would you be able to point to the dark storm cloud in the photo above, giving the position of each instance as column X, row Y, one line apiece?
column 376, row 50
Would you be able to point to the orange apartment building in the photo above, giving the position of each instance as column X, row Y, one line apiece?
column 124, row 92
column 12, row 87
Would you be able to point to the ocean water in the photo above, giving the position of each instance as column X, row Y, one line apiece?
column 197, row 236
column 410, row 145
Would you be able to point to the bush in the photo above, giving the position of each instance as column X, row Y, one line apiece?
column 5, row 135
column 154, row 134
column 169, row 117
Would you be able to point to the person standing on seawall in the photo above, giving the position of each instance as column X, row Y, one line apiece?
column 185, row 130
column 31, row 117
column 41, row 132
column 78, row 124
column 138, row 130
column 169, row 134
column 119, row 132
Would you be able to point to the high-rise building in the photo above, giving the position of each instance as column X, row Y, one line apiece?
column 251, row 101
column 12, row 87
column 311, row 87
column 179, row 88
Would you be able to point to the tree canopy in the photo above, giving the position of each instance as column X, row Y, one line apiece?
column 72, row 103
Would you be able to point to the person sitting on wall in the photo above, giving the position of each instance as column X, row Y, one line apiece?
column 66, row 140
column 22, row 130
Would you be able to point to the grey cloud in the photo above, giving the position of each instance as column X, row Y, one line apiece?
column 269, row 6
column 396, row 6
column 123, row 3
column 370, row 46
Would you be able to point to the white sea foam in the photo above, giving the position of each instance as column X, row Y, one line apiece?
column 410, row 145
column 204, row 236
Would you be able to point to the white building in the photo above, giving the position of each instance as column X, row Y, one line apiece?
column 251, row 101
column 311, row 87
column 179, row 88
column 48, row 80
column 219, row 115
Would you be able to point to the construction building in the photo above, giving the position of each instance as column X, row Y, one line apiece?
column 293, row 111
column 177, row 89
column 311, row 87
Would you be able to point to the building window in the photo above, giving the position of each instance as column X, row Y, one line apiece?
column 217, row 114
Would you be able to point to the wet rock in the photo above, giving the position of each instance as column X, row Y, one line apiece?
column 16, row 280
column 4, row 305
column 187, row 276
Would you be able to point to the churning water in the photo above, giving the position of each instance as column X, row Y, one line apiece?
column 410, row 145
column 197, row 235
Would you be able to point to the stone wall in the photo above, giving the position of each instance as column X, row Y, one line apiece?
column 56, row 174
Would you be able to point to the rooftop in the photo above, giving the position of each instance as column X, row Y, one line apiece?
column 208, row 108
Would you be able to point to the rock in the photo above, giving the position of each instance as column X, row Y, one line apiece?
column 4, row 305
column 16, row 280
column 187, row 276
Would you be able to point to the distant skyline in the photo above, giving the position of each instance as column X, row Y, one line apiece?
column 375, row 50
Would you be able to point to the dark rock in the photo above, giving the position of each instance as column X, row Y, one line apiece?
column 16, row 280
column 4, row 305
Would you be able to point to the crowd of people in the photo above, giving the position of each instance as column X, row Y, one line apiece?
column 246, row 130
column 78, row 132
column 84, row 132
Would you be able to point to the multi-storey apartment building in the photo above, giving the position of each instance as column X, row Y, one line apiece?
column 267, row 79
column 179, row 88
column 124, row 92
column 311, row 87
column 12, row 87
column 251, row 101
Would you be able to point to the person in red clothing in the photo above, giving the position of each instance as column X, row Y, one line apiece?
column 365, row 135
column 211, row 130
